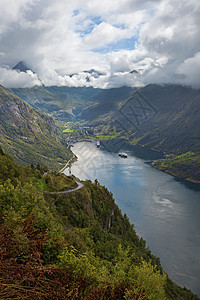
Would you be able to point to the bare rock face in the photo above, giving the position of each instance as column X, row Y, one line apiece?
column 26, row 134
column 15, row 112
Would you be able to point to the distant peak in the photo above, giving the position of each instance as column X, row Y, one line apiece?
column 93, row 72
column 133, row 71
column 22, row 67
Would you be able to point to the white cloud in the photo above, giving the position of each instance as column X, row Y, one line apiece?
column 190, row 69
column 104, row 34
column 13, row 78
column 173, row 33
column 58, row 38
column 11, row 13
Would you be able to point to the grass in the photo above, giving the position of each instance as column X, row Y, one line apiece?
column 59, row 182
column 39, row 183
column 67, row 130
column 107, row 137
column 53, row 183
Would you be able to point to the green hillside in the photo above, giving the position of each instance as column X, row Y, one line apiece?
column 75, row 245
column 27, row 135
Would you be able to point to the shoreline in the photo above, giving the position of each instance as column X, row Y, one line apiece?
column 188, row 180
column 70, row 161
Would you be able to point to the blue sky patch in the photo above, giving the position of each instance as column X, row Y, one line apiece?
column 124, row 44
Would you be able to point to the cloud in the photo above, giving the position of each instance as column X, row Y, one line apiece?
column 104, row 34
column 160, row 38
column 15, row 79
column 9, row 14
column 174, row 35
column 190, row 69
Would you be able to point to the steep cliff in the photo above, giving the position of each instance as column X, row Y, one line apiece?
column 27, row 135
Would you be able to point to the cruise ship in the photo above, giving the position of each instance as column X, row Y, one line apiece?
column 98, row 144
column 121, row 154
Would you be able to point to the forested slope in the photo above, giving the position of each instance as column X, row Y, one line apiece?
column 71, row 246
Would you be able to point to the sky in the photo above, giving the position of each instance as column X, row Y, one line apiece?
column 61, row 40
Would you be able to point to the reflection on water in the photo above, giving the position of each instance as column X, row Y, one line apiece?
column 165, row 210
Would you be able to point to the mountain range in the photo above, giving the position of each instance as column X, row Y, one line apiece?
column 168, row 122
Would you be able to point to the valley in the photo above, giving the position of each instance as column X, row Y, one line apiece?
column 164, row 118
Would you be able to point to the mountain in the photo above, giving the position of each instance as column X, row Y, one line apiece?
column 163, row 117
column 21, row 67
column 92, row 72
column 133, row 72
column 27, row 135
column 171, row 126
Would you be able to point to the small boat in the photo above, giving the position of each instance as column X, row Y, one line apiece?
column 121, row 154
column 98, row 144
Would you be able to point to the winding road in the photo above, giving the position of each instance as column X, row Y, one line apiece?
column 80, row 186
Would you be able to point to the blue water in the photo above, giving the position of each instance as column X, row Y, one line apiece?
column 164, row 210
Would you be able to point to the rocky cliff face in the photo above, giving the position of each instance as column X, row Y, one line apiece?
column 29, row 136
column 17, row 113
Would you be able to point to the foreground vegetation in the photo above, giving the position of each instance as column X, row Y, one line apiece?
column 71, row 246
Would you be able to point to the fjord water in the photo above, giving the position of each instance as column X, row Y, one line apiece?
column 164, row 210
